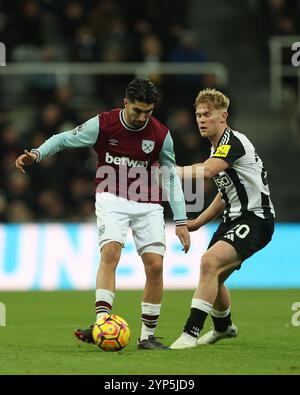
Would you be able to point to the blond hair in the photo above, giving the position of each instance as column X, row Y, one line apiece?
column 213, row 99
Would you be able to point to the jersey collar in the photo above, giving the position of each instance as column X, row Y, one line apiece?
column 128, row 127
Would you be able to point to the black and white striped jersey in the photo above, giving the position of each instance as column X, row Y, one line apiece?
column 243, row 185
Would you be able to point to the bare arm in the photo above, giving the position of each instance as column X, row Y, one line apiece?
column 209, row 168
column 213, row 211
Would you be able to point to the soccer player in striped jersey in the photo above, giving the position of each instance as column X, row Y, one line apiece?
column 248, row 218
column 130, row 143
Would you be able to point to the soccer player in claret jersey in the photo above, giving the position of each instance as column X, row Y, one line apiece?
column 248, row 218
column 129, row 143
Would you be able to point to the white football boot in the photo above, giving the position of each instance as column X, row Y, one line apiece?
column 213, row 336
column 184, row 341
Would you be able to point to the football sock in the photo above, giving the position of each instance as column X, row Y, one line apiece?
column 199, row 311
column 150, row 314
column 104, row 302
column 221, row 319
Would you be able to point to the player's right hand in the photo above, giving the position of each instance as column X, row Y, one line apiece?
column 184, row 237
column 28, row 158
column 193, row 224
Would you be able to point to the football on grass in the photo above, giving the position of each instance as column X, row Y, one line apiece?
column 111, row 333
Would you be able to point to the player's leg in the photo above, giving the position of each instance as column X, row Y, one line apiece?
column 228, row 248
column 113, row 218
column 248, row 236
column 149, row 237
column 221, row 315
column 151, row 302
column 218, row 259
column 106, row 278
column 112, row 222
column 105, row 286
column 223, row 299
column 153, row 264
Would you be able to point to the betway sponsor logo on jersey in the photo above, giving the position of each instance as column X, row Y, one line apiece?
column 125, row 161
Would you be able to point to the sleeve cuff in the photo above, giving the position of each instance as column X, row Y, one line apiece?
column 180, row 222
column 35, row 151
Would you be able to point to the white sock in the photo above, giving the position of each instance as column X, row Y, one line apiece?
column 104, row 302
column 220, row 314
column 201, row 304
column 150, row 315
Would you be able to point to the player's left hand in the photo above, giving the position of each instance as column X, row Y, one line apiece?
column 184, row 237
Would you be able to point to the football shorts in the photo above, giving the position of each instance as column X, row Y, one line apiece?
column 115, row 215
column 247, row 234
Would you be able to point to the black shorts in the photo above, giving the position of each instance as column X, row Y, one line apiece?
column 247, row 234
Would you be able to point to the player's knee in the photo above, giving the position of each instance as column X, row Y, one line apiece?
column 154, row 268
column 110, row 253
column 209, row 265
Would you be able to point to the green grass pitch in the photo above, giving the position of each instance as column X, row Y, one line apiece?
column 38, row 337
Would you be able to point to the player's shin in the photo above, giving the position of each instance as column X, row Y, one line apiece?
column 104, row 302
column 199, row 311
column 150, row 315
column 221, row 319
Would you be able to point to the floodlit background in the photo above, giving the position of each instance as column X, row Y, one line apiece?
column 68, row 60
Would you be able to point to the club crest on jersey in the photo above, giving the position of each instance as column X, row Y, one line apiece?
column 101, row 230
column 148, row 146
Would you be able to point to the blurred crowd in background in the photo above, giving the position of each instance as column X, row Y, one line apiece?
column 149, row 31
column 281, row 17
column 115, row 30
column 93, row 30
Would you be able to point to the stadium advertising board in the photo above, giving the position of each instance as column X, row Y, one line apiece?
column 66, row 256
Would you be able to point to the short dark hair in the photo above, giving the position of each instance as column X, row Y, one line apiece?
column 142, row 90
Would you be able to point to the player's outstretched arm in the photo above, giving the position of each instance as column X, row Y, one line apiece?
column 82, row 136
column 208, row 169
column 28, row 158
column 213, row 211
